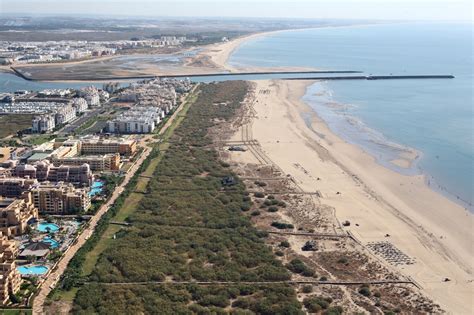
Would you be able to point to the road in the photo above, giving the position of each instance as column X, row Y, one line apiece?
column 68, row 129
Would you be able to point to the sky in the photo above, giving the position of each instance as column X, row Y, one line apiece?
column 449, row 10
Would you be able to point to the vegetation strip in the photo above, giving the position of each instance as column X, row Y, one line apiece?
column 149, row 251
column 79, row 265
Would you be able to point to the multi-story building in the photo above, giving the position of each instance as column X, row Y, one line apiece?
column 15, row 215
column 104, row 95
column 43, row 123
column 44, row 170
column 14, row 187
column 80, row 104
column 60, row 198
column 78, row 175
column 139, row 119
column 65, row 114
column 91, row 95
column 127, row 125
column 106, row 146
column 10, row 278
column 111, row 87
column 97, row 163
column 24, row 171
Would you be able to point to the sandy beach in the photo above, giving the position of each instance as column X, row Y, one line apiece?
column 381, row 204
column 218, row 54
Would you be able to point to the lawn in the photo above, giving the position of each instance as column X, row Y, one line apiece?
column 11, row 124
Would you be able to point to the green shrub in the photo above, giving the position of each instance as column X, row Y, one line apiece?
column 255, row 213
column 285, row 244
column 335, row 310
column 307, row 289
column 342, row 260
column 245, row 207
column 365, row 291
column 315, row 304
column 308, row 273
column 214, row 300
column 272, row 209
column 241, row 303
column 281, row 226
column 298, row 266
column 259, row 195
column 260, row 184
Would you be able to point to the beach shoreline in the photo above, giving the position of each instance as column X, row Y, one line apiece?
column 385, row 204
column 219, row 53
column 420, row 222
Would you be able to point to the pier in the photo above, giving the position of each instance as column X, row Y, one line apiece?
column 379, row 77
column 305, row 75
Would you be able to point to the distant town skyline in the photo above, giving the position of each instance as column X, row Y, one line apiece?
column 449, row 10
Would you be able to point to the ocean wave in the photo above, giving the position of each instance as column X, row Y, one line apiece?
column 353, row 130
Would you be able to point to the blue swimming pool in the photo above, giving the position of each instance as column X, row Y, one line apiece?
column 51, row 242
column 47, row 227
column 96, row 188
column 32, row 270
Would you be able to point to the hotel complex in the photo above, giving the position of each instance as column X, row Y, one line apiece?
column 15, row 215
column 10, row 278
column 60, row 198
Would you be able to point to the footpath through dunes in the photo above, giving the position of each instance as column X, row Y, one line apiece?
column 153, row 249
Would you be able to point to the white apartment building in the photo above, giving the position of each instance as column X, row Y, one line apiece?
column 131, row 125
column 44, row 123
column 93, row 100
column 137, row 120
column 65, row 114
column 80, row 104
column 91, row 95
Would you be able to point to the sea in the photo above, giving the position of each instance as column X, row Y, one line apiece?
column 386, row 117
